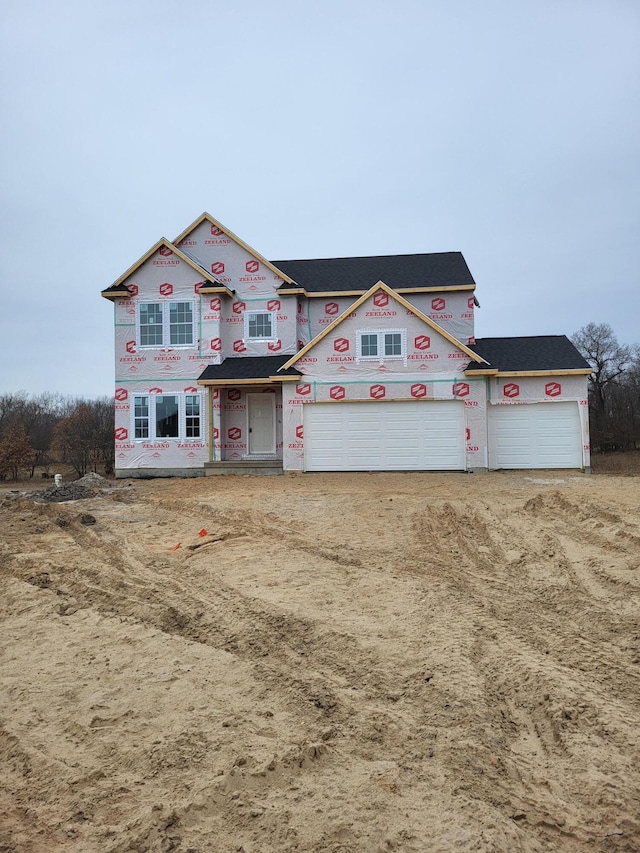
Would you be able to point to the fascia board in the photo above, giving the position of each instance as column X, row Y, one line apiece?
column 573, row 371
column 405, row 304
column 207, row 216
column 267, row 380
column 206, row 290
column 164, row 242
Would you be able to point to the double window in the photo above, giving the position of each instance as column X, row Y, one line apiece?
column 167, row 416
column 260, row 325
column 382, row 344
column 165, row 324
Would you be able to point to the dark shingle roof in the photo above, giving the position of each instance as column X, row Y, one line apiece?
column 439, row 269
column 540, row 352
column 251, row 367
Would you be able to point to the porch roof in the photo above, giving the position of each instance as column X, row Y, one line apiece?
column 252, row 368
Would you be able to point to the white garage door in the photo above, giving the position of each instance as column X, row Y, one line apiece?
column 411, row 436
column 536, row 435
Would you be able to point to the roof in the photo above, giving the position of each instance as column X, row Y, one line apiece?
column 252, row 367
column 437, row 270
column 539, row 352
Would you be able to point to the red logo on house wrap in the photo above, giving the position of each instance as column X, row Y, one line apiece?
column 252, row 266
column 299, row 431
column 470, row 302
column 377, row 392
column 234, row 394
column 234, row 433
column 331, row 308
column 303, row 388
column 238, row 307
column 133, row 288
column 216, row 393
column 130, row 346
column 341, row 345
column 422, row 342
column 121, row 434
column 217, row 267
column 467, row 433
column 461, row 389
column 381, row 299
column 273, row 305
column 419, row 390
column 216, row 232
column 553, row 389
column 215, row 304
column 238, row 346
column 191, row 389
column 165, row 251
column 166, row 289
column 438, row 304
column 121, row 394
column 511, row 389
column 216, row 433
column 155, row 390
column 216, row 344
column 275, row 346
column 337, row 392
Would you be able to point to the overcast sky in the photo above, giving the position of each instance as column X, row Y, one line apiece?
column 506, row 130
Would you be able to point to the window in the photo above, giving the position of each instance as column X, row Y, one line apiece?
column 161, row 416
column 166, row 416
column 382, row 344
column 260, row 325
column 164, row 324
column 192, row 416
column 141, row 417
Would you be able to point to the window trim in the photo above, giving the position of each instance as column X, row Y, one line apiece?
column 165, row 308
column 182, row 417
column 381, row 357
column 274, row 331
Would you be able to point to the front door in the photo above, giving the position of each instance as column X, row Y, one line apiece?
column 262, row 424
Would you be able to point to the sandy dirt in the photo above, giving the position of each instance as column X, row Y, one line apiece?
column 368, row 663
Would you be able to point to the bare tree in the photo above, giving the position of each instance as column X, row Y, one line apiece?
column 611, row 407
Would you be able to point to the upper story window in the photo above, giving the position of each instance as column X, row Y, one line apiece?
column 260, row 325
column 382, row 344
column 164, row 324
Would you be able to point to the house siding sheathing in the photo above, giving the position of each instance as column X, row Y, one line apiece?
column 147, row 371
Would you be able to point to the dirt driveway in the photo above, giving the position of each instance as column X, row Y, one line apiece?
column 371, row 662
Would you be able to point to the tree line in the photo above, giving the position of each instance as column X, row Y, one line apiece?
column 40, row 431
column 614, row 388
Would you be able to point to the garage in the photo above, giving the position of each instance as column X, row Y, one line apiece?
column 535, row 435
column 394, row 436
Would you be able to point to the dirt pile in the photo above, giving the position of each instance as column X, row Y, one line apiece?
column 340, row 663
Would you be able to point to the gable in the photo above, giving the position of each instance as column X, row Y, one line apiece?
column 425, row 345
column 230, row 259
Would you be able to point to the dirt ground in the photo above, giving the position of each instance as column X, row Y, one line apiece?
column 371, row 662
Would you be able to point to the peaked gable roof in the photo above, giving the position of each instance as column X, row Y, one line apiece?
column 206, row 217
column 531, row 354
column 436, row 270
column 405, row 304
column 118, row 288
